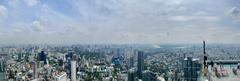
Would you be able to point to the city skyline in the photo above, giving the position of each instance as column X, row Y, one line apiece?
column 119, row 21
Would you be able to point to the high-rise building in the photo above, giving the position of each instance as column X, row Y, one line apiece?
column 69, row 56
column 131, row 74
column 34, row 67
column 68, row 65
column 42, row 57
column 19, row 57
column 140, row 64
column 131, row 62
column 74, row 68
column 191, row 69
column 187, row 68
column 205, row 56
column 149, row 76
column 2, row 65
column 61, row 77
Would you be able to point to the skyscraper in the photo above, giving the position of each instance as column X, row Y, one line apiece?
column 188, row 69
column 131, row 62
column 42, row 57
column 73, row 68
column 34, row 67
column 140, row 64
column 2, row 65
column 149, row 76
column 205, row 56
column 19, row 57
column 68, row 64
column 131, row 74
column 191, row 69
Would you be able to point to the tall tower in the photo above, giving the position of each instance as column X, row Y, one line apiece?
column 205, row 56
column 19, row 57
column 131, row 62
column 34, row 67
column 131, row 74
column 2, row 65
column 140, row 64
column 42, row 57
column 73, row 67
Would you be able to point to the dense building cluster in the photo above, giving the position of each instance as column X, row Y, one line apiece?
column 108, row 62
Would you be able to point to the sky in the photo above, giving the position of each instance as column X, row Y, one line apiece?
column 119, row 21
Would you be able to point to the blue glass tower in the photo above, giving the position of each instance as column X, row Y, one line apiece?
column 42, row 57
column 140, row 64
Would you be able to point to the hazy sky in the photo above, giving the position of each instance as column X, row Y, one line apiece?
column 119, row 21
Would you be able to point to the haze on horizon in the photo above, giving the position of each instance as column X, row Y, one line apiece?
column 119, row 21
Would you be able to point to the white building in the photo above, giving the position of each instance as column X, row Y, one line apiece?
column 61, row 77
column 73, row 68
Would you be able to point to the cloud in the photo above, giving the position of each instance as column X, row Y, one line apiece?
column 192, row 18
column 31, row 2
column 135, row 35
column 144, row 21
column 16, row 3
column 235, row 12
column 18, row 30
column 37, row 26
column 13, row 2
column 3, row 14
column 3, row 11
column 129, row 37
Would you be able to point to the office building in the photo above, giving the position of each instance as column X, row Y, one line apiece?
column 42, row 57
column 131, row 74
column 191, row 69
column 131, row 62
column 140, row 64
column 34, row 68
column 73, row 68
column 61, row 77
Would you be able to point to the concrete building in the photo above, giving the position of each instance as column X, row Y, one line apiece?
column 61, row 77
column 74, row 68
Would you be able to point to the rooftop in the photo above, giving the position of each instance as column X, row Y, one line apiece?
column 225, row 74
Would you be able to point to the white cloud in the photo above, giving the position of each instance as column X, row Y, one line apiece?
column 3, row 11
column 37, row 26
column 235, row 12
column 32, row 2
column 13, row 2
column 201, row 13
column 136, row 35
column 145, row 21
column 129, row 37
column 18, row 30
column 191, row 18
column 16, row 3
column 3, row 14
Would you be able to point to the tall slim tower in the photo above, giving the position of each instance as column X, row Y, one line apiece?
column 34, row 67
column 1, row 65
column 73, row 67
column 140, row 64
column 205, row 56
column 131, row 64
